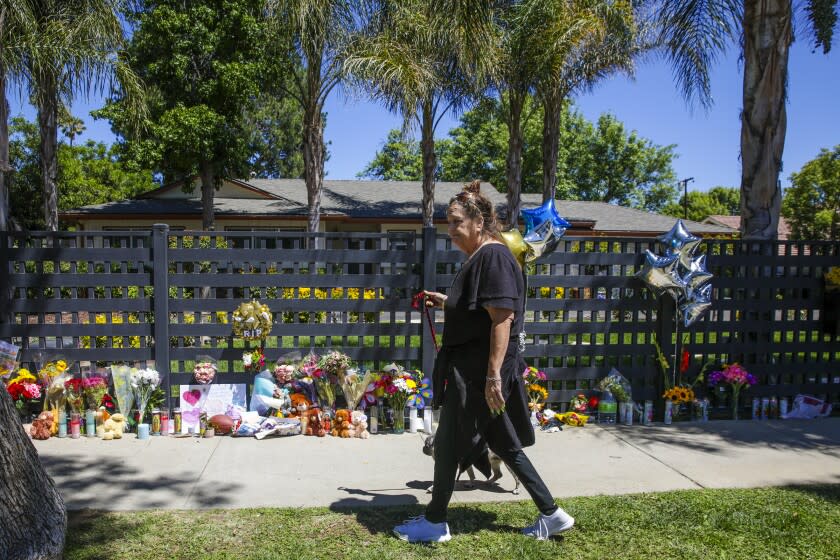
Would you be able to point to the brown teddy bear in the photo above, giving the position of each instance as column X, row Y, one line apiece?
column 42, row 426
column 314, row 427
column 341, row 425
column 359, row 424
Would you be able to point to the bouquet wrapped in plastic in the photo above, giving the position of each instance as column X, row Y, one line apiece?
column 204, row 370
column 616, row 384
column 95, row 388
column 353, row 384
column 121, row 376
column 8, row 358
column 143, row 384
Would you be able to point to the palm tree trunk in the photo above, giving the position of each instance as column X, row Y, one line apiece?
column 513, row 164
column 33, row 520
column 313, row 160
column 48, row 128
column 208, row 191
column 552, row 112
column 4, row 154
column 427, row 147
column 767, row 39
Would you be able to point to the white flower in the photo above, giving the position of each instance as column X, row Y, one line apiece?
column 246, row 359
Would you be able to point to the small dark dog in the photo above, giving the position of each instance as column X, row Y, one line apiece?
column 495, row 465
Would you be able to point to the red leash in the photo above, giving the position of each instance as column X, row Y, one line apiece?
column 418, row 302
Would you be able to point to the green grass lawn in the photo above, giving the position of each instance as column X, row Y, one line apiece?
column 773, row 523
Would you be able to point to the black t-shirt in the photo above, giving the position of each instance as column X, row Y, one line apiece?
column 490, row 278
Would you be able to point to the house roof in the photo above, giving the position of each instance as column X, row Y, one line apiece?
column 735, row 223
column 367, row 200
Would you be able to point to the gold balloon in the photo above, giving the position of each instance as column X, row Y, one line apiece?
column 513, row 239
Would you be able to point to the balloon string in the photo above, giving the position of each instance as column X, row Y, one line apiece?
column 676, row 345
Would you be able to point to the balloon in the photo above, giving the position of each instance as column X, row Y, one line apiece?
column 513, row 239
column 697, row 274
column 697, row 303
column 548, row 211
column 660, row 274
column 679, row 241
column 542, row 240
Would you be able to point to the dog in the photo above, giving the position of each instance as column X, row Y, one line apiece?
column 495, row 466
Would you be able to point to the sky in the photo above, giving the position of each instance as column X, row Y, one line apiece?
column 707, row 143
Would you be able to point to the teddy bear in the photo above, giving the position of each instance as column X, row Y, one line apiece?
column 314, row 427
column 42, row 426
column 359, row 424
column 114, row 427
column 341, row 425
column 299, row 404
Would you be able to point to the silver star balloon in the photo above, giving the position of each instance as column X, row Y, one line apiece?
column 696, row 304
column 696, row 275
column 679, row 241
column 660, row 274
column 542, row 240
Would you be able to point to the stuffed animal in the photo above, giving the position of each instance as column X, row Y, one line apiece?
column 114, row 427
column 359, row 424
column 299, row 404
column 314, row 427
column 42, row 426
column 341, row 425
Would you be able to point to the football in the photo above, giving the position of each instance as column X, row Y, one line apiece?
column 221, row 423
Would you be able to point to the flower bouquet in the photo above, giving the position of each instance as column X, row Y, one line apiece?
column 286, row 369
column 252, row 320
column 737, row 378
column 95, row 388
column 325, row 387
column 50, row 370
column 537, row 393
column 143, row 384
column 75, row 394
column 123, row 392
column 353, row 384
column 24, row 391
column 8, row 358
column 334, row 363
column 399, row 386
column 253, row 360
column 204, row 370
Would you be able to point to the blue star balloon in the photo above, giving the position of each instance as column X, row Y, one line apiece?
column 548, row 211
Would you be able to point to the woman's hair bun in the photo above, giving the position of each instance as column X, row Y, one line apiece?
column 474, row 187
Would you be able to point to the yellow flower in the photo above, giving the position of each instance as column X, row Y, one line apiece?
column 410, row 383
column 23, row 375
column 61, row 365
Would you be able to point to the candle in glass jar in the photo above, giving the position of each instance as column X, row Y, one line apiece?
column 62, row 424
column 90, row 423
column 75, row 425
column 164, row 421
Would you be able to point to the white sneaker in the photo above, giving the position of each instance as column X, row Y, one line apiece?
column 547, row 525
column 417, row 529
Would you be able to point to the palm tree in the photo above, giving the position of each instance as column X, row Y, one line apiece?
column 695, row 33
column 575, row 43
column 313, row 35
column 86, row 36
column 422, row 59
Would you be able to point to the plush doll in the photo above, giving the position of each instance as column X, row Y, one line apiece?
column 341, row 425
column 42, row 426
column 299, row 404
column 114, row 427
column 359, row 424
column 314, row 427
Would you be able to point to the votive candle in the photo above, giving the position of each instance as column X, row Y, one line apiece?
column 142, row 431
column 62, row 424
column 75, row 425
column 90, row 423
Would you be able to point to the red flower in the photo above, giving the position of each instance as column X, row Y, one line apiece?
column 686, row 357
column 15, row 390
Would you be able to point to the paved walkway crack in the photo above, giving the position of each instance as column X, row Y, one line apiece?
column 198, row 478
column 654, row 457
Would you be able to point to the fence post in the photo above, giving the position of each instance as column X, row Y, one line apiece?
column 160, row 285
column 429, row 283
column 5, row 288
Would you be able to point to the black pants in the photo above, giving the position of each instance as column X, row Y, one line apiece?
column 446, row 467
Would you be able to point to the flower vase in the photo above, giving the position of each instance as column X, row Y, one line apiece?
column 399, row 420
column 735, row 392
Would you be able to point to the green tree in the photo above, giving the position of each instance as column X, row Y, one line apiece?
column 273, row 126
column 398, row 160
column 608, row 164
column 812, row 204
column 89, row 173
column 694, row 33
column 201, row 62
column 717, row 201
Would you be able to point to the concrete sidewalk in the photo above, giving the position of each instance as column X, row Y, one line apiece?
column 174, row 473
